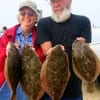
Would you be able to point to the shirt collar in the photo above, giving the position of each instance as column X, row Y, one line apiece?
column 19, row 31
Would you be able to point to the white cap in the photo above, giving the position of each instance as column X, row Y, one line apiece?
column 30, row 4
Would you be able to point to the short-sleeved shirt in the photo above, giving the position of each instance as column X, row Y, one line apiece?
column 21, row 41
column 65, row 33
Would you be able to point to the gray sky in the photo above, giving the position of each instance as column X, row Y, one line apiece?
column 89, row 8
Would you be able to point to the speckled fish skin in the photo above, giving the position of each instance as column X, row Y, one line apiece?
column 85, row 63
column 55, row 73
column 12, row 69
column 31, row 67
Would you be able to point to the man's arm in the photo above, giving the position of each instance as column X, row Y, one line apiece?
column 46, row 46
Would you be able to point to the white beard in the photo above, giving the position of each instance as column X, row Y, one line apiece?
column 61, row 17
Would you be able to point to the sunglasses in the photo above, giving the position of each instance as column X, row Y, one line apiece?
column 30, row 14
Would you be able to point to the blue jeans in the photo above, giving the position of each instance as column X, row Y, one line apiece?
column 5, row 93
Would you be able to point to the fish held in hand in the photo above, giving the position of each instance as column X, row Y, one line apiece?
column 12, row 69
column 31, row 67
column 55, row 73
column 85, row 63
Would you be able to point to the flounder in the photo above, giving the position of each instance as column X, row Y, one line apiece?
column 31, row 67
column 85, row 63
column 12, row 69
column 55, row 73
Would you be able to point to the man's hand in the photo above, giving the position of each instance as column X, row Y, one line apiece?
column 50, row 50
column 81, row 39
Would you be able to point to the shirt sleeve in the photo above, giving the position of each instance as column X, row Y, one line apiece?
column 85, row 29
column 43, row 33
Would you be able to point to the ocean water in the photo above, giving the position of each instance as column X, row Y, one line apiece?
column 95, row 45
column 95, row 35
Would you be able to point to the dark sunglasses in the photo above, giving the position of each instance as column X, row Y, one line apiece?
column 30, row 14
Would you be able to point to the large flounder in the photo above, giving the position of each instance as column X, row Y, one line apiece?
column 55, row 73
column 85, row 63
column 12, row 69
column 31, row 67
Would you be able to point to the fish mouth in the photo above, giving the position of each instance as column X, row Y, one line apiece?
column 27, row 46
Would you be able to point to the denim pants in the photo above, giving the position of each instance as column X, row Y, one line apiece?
column 5, row 93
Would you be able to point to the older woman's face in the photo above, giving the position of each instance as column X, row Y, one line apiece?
column 27, row 17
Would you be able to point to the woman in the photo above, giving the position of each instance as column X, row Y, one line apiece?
column 24, row 32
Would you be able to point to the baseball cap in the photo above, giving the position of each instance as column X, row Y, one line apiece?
column 30, row 4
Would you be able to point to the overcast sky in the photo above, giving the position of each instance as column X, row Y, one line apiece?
column 89, row 8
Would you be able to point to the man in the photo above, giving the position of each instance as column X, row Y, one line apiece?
column 4, row 29
column 63, row 28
